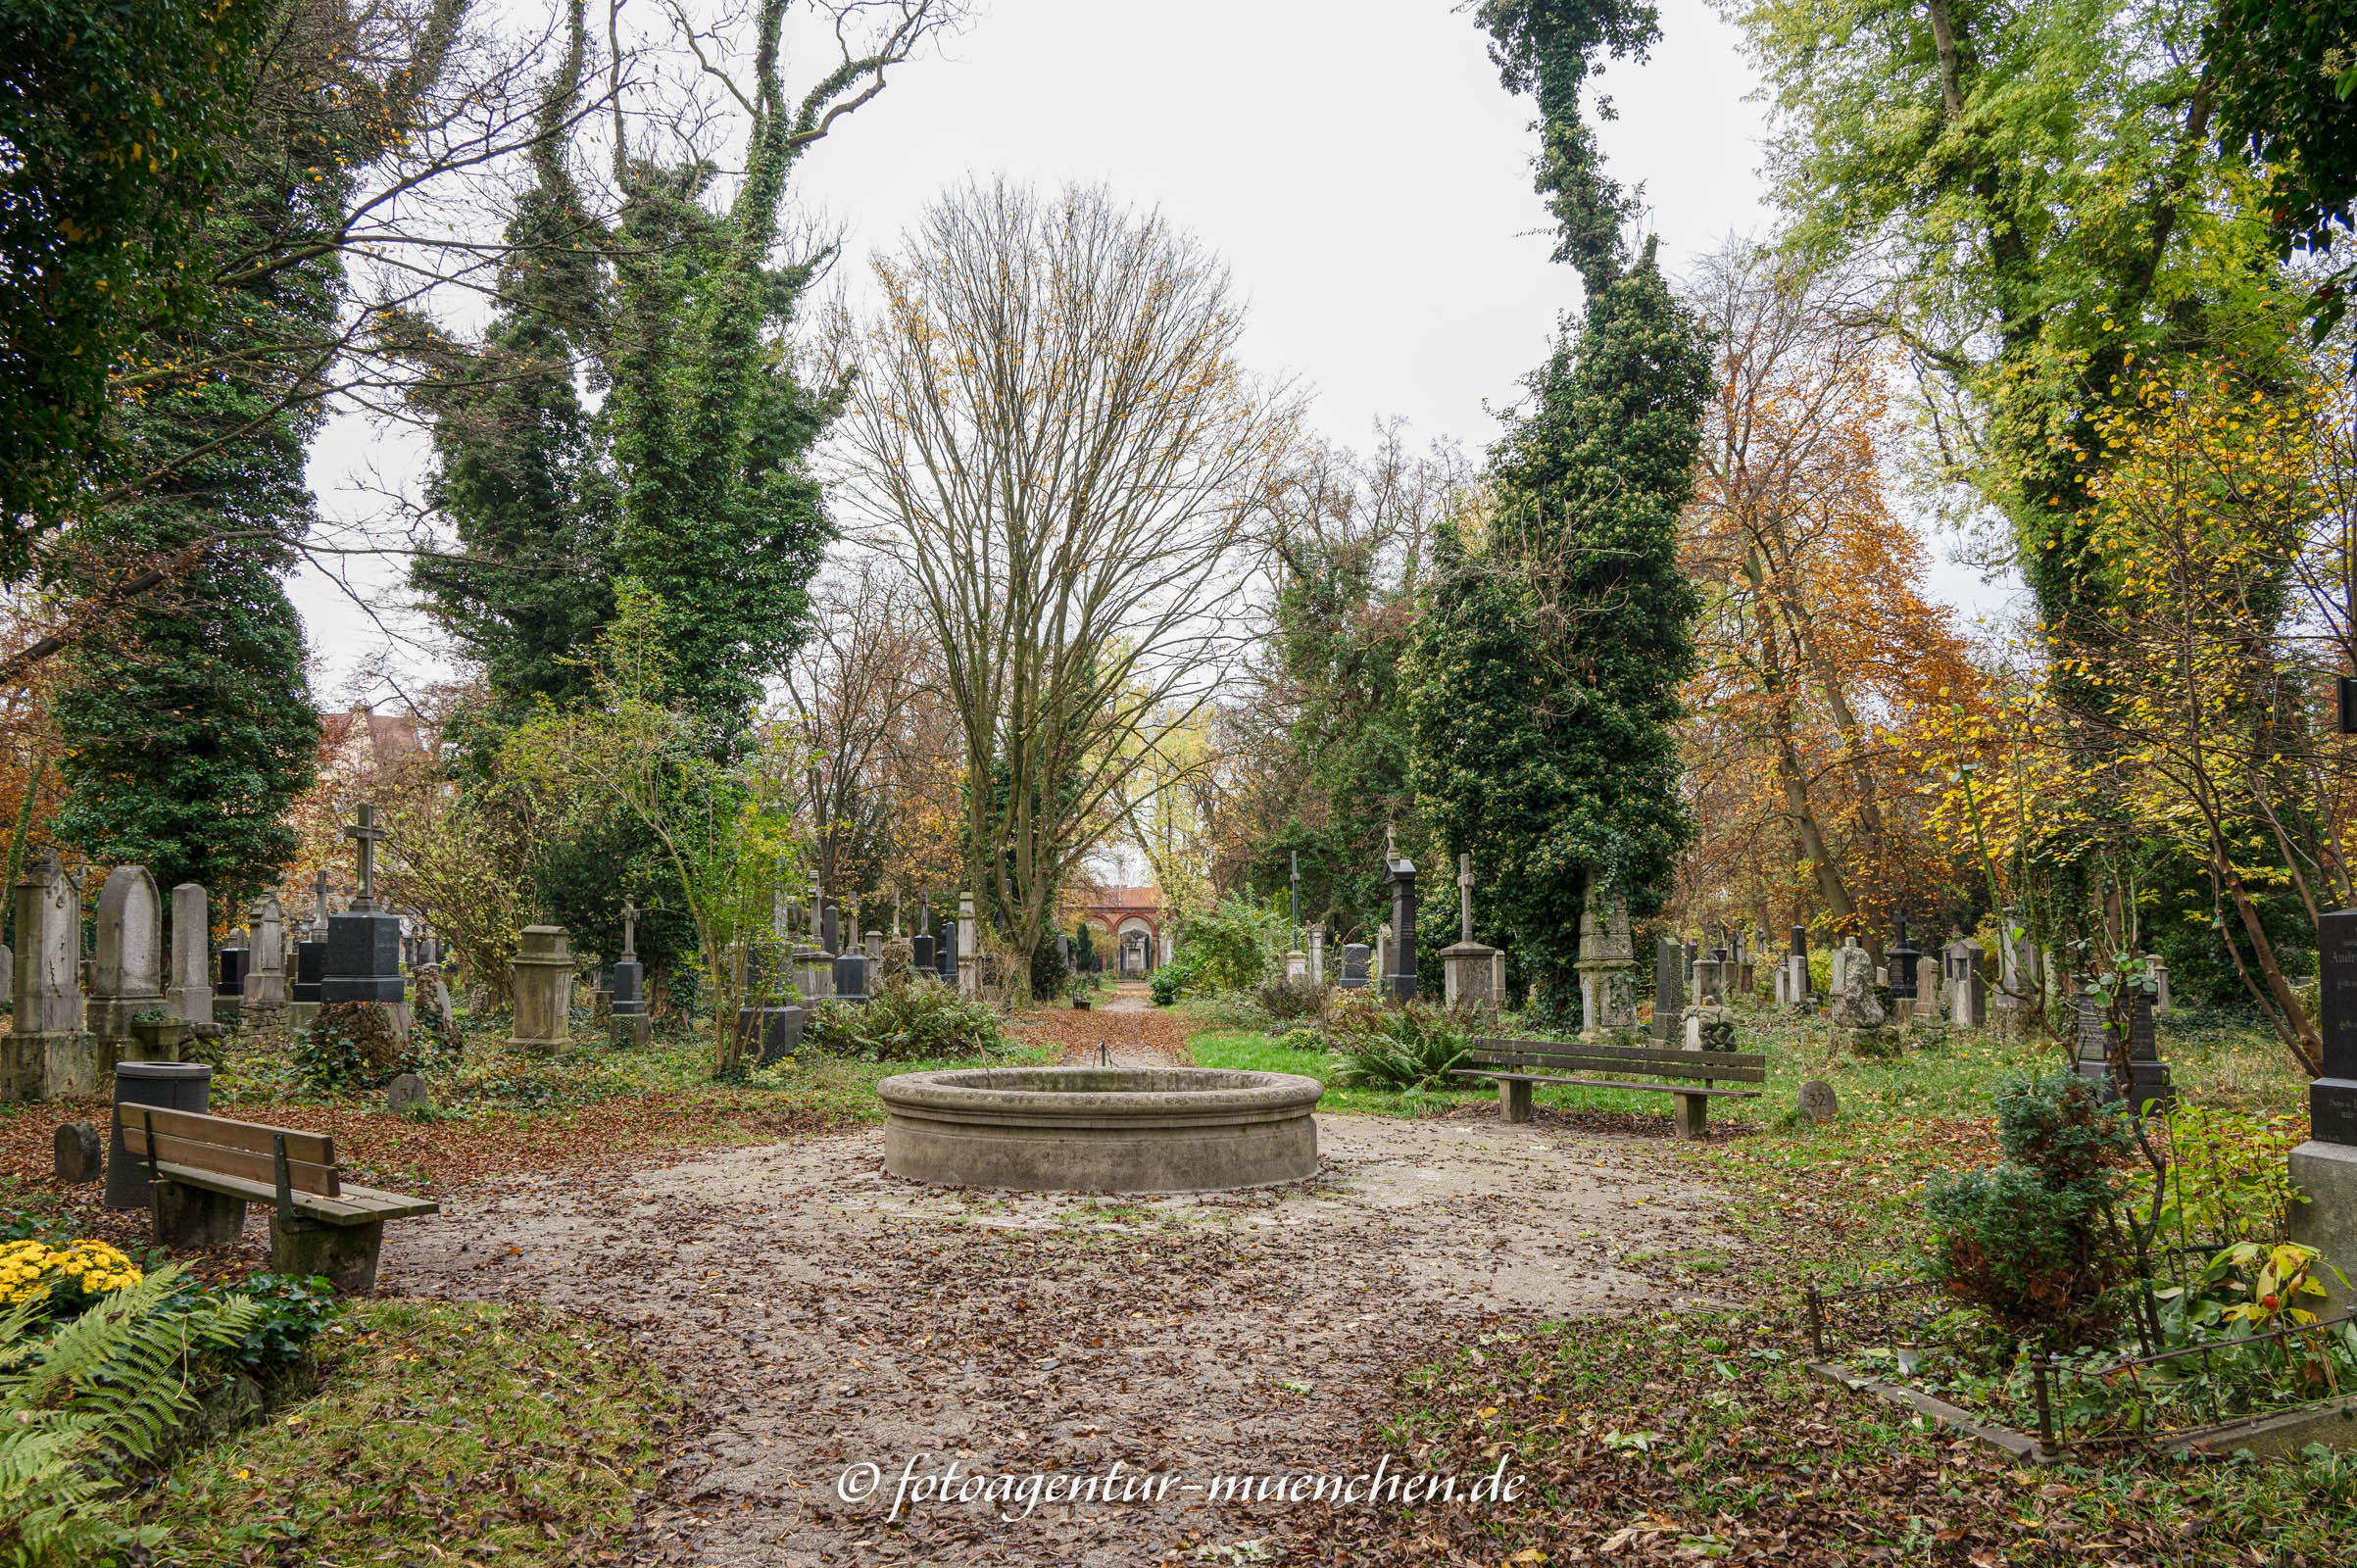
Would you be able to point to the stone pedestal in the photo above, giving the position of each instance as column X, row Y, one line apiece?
column 2326, row 1174
column 1608, row 969
column 46, row 1055
column 1469, row 977
column 542, row 974
column 1297, row 966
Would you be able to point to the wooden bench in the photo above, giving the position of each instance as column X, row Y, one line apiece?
column 203, row 1171
column 1518, row 1065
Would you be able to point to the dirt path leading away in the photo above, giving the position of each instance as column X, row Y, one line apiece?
column 818, row 1313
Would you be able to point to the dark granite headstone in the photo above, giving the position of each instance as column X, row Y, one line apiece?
column 1356, row 957
column 921, row 953
column 1901, row 962
column 1400, row 977
column 232, row 981
column 2332, row 1093
column 948, row 955
column 364, row 958
column 311, row 964
column 850, row 977
column 629, row 979
column 2148, row 1075
column 830, row 927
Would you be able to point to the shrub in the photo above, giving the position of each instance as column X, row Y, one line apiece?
column 2227, row 1177
column 2023, row 1247
column 1166, row 984
column 904, row 1023
column 1230, row 946
column 291, row 1313
column 351, row 1044
column 1282, row 997
column 2060, row 1127
column 1401, row 1048
column 1299, row 1039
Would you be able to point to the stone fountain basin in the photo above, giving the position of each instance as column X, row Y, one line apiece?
column 1101, row 1129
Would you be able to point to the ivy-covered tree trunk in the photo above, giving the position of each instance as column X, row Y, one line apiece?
column 1545, row 675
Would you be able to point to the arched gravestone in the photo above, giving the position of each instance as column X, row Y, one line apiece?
column 1818, row 1102
column 131, row 953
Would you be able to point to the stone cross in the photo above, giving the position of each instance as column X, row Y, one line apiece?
column 630, row 929
column 366, row 832
column 1464, row 897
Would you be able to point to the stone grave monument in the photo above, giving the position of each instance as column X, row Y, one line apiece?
column 1669, row 990
column 46, row 1055
column 2093, row 1039
column 1796, row 971
column 1317, row 957
column 190, row 998
column 2323, row 1169
column 1472, row 973
column 130, row 958
column 363, row 942
column 1856, row 1016
column 627, row 1017
column 1400, row 875
column 1608, row 967
column 229, row 985
column 1901, row 961
column 1356, row 959
column 542, row 974
column 263, row 995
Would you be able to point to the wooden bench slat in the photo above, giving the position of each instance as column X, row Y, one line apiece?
column 317, row 1149
column 355, row 1205
column 1608, row 1083
column 1692, row 1064
column 1646, row 1055
column 303, row 1175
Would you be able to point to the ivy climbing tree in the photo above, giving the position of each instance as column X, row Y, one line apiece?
column 1543, row 683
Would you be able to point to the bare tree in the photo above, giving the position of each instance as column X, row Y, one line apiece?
column 1053, row 437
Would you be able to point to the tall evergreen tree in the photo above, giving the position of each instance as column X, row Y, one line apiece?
column 1545, row 674
column 187, row 722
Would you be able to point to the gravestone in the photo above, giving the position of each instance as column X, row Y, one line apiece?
column 1926, row 988
column 363, row 942
column 2323, row 1169
column 1357, row 956
column 2021, row 987
column 874, row 947
column 46, row 1053
column 189, row 999
column 2094, row 1038
column 233, row 957
column 850, row 977
column 1846, row 956
column 1710, row 983
column 946, row 956
column 130, row 955
column 1818, row 1102
column 434, row 992
column 777, row 1034
column 1669, row 991
column 1856, row 1016
column 1901, row 961
column 830, row 928
column 963, row 953
column 1608, row 966
column 1796, row 969
column 542, row 975
column 81, row 1155
column 1318, row 955
column 627, row 1014
column 408, row 1093
column 311, row 967
column 1967, row 985
column 921, row 953
column 1400, row 875
column 1467, row 978
column 2158, row 968
column 265, row 989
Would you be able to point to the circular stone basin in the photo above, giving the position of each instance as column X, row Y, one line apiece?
column 1101, row 1129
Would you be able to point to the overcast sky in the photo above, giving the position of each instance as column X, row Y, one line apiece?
column 1356, row 161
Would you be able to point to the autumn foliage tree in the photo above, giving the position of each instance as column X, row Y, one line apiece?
column 1820, row 646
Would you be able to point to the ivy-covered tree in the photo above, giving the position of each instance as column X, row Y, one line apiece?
column 1545, row 674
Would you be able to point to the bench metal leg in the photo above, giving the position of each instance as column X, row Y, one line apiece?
column 192, row 1216
column 1513, row 1100
column 346, row 1253
column 1693, row 1115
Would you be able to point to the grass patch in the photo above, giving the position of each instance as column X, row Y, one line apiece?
column 1249, row 1050
column 502, row 1430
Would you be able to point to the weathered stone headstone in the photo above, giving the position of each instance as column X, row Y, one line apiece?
column 434, row 992
column 1318, row 955
column 969, row 969
column 1465, row 964
column 1400, row 875
column 1926, row 988
column 542, row 975
column 2158, row 968
column 627, row 1014
column 1856, row 1016
column 407, row 1094
column 1846, row 956
column 81, row 1155
column 46, row 1053
column 2021, row 987
column 1966, row 984
column 1818, row 1102
column 2323, row 1169
column 1796, row 969
column 1608, row 966
column 1710, row 987
column 265, row 989
column 874, row 947
column 1669, row 990
column 830, row 928
column 1901, row 961
column 130, row 955
column 1357, row 958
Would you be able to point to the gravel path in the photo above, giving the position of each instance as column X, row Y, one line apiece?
column 819, row 1313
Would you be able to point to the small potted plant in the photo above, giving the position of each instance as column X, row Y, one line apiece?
column 161, row 1039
